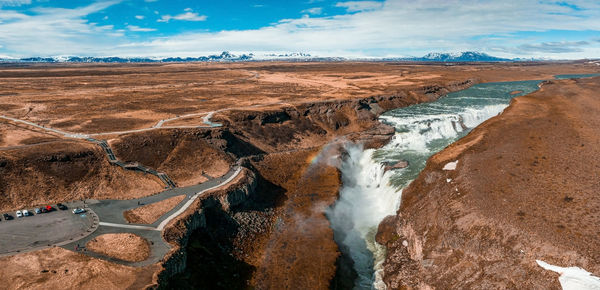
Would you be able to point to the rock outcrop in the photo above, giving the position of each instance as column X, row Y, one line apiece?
column 65, row 171
column 524, row 189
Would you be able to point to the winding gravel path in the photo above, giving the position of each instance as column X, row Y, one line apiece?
column 111, row 219
column 159, row 125
column 109, row 213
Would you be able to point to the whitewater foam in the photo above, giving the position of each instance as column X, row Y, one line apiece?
column 365, row 199
column 369, row 193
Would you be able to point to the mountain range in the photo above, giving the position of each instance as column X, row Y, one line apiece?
column 468, row 56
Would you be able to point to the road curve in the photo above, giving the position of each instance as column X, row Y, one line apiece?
column 159, row 125
column 164, row 223
column 174, row 214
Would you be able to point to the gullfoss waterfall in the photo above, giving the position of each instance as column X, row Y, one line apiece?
column 370, row 192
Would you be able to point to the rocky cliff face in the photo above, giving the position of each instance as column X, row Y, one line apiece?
column 206, row 228
column 303, row 126
column 524, row 189
column 274, row 234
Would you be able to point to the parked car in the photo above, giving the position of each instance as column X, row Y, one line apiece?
column 61, row 206
column 7, row 217
column 49, row 208
column 38, row 210
column 19, row 214
column 43, row 210
column 26, row 212
column 78, row 210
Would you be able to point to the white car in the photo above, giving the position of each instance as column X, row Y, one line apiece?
column 78, row 210
column 19, row 214
column 26, row 213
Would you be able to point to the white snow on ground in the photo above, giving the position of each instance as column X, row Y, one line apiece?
column 573, row 278
column 450, row 165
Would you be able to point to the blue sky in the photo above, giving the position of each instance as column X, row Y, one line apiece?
column 526, row 28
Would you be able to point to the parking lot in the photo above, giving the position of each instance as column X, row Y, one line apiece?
column 42, row 230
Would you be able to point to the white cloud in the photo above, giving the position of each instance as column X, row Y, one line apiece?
column 13, row 3
column 140, row 17
column 554, row 47
column 356, row 6
column 54, row 31
column 139, row 29
column 398, row 27
column 187, row 16
column 313, row 11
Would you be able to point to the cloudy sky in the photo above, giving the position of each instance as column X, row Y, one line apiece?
column 525, row 28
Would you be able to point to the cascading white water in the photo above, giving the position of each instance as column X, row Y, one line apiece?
column 417, row 132
column 369, row 193
column 365, row 199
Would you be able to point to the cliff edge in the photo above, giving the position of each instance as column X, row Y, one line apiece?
column 525, row 188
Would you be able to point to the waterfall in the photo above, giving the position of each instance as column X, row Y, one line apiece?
column 365, row 199
column 369, row 193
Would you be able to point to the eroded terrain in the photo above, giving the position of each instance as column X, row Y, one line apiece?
column 524, row 189
column 276, row 119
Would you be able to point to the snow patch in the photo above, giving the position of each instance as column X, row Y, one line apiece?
column 450, row 165
column 573, row 278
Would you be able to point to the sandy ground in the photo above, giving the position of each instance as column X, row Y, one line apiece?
column 102, row 98
column 14, row 135
column 525, row 188
column 149, row 213
column 124, row 246
column 187, row 156
column 302, row 253
column 65, row 171
column 47, row 269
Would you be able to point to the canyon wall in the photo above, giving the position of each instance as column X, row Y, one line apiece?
column 274, row 236
column 524, row 189
column 271, row 227
column 199, row 219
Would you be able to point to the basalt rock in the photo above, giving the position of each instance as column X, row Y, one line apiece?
column 398, row 165
column 512, row 200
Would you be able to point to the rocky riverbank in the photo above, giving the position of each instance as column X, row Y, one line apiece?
column 524, row 188
column 280, row 119
column 272, row 234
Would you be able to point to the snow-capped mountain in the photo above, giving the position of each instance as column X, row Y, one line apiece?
column 288, row 55
column 467, row 56
column 224, row 56
column 596, row 62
